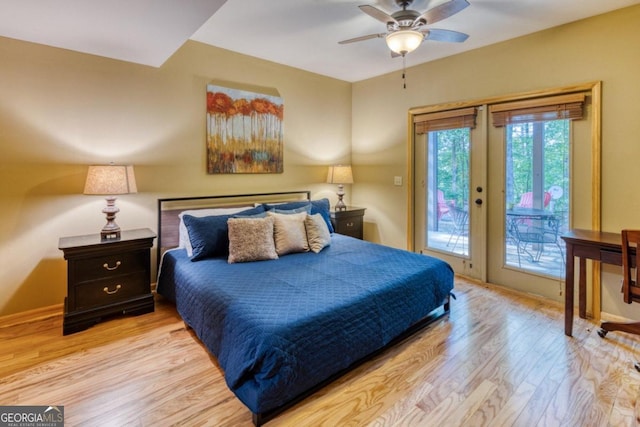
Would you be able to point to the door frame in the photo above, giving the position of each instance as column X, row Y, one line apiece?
column 595, row 89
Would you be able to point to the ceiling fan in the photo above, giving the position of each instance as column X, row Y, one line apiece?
column 405, row 28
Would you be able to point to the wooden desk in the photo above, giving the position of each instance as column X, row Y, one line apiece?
column 586, row 244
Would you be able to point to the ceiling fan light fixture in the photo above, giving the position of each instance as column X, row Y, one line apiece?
column 404, row 41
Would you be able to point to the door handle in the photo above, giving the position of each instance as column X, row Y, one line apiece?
column 479, row 202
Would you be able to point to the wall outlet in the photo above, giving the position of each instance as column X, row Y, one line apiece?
column 397, row 180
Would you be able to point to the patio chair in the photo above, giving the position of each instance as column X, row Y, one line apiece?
column 531, row 234
column 460, row 224
column 526, row 200
column 443, row 206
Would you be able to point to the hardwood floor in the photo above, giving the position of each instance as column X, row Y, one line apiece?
column 499, row 359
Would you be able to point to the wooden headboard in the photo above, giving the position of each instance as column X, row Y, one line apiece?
column 170, row 208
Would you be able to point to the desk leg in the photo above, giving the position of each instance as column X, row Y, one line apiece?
column 582, row 289
column 568, row 292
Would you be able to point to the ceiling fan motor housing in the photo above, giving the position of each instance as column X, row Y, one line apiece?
column 405, row 18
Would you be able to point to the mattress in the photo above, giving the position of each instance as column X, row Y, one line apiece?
column 279, row 327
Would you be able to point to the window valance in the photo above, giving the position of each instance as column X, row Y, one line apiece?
column 568, row 106
column 445, row 120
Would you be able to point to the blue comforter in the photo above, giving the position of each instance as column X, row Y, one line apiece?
column 280, row 327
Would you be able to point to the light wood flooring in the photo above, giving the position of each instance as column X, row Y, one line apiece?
column 499, row 359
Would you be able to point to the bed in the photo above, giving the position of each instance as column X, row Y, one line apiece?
column 281, row 328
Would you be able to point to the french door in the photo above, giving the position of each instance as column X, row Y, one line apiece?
column 449, row 181
column 537, row 194
column 493, row 199
column 532, row 210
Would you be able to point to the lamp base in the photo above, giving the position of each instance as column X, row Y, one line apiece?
column 109, row 235
column 340, row 206
column 111, row 230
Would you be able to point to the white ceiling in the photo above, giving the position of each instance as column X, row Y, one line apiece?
column 299, row 33
column 142, row 31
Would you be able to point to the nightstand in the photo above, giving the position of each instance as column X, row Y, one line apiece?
column 348, row 221
column 106, row 277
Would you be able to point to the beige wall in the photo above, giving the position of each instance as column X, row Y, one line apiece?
column 61, row 111
column 602, row 48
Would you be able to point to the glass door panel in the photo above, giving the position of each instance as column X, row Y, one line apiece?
column 536, row 196
column 447, row 191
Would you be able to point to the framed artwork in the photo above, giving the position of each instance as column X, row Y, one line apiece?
column 244, row 131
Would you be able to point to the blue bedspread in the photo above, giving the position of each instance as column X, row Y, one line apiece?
column 282, row 326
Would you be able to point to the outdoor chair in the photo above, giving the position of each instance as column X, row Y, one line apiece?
column 443, row 206
column 531, row 234
column 460, row 224
column 526, row 200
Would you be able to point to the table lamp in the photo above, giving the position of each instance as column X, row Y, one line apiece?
column 340, row 175
column 110, row 180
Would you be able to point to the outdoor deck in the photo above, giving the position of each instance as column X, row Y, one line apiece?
column 551, row 263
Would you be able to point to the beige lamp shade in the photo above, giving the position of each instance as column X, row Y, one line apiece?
column 110, row 179
column 340, row 174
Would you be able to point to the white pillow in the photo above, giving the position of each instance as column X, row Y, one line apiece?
column 318, row 233
column 289, row 232
column 183, row 233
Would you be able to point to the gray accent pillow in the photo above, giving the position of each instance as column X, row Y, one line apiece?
column 318, row 233
column 251, row 239
column 289, row 233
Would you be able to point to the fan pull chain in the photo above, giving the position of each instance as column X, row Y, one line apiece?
column 404, row 72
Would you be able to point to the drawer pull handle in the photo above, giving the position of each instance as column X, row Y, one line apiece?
column 106, row 266
column 350, row 224
column 108, row 292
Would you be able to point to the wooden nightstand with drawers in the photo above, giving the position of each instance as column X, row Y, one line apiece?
column 349, row 221
column 106, row 277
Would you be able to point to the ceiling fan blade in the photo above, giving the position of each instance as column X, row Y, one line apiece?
column 361, row 38
column 381, row 16
column 445, row 35
column 443, row 11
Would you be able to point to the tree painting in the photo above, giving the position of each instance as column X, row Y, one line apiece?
column 244, row 131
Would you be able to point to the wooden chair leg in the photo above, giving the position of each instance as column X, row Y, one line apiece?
column 632, row 328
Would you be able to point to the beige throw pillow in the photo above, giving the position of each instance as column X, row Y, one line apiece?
column 317, row 232
column 289, row 232
column 251, row 239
